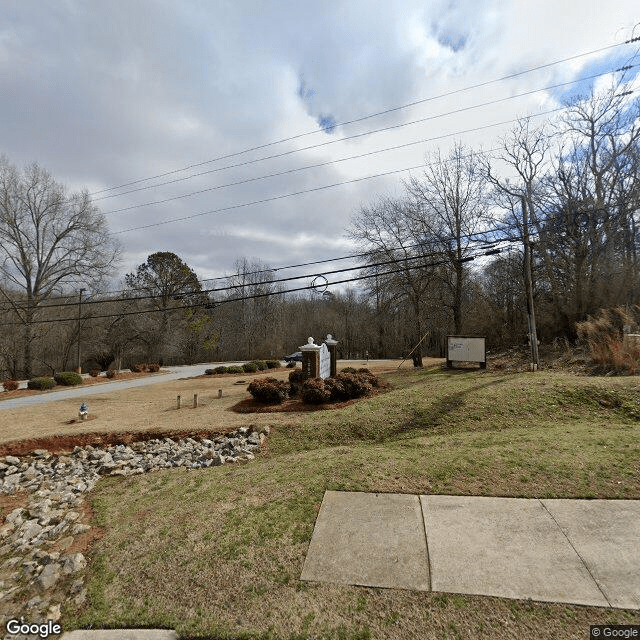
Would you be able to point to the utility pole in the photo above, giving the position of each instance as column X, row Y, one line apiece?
column 528, row 283
column 79, row 368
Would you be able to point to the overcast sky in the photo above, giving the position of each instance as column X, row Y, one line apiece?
column 103, row 93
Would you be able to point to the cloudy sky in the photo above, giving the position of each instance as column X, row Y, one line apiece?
column 105, row 93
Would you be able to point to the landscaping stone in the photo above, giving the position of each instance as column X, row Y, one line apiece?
column 56, row 486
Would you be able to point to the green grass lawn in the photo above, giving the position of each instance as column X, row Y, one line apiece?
column 217, row 553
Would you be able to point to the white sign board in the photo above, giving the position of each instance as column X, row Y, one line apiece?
column 465, row 349
column 325, row 362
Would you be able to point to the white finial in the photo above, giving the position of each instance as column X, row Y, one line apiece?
column 309, row 340
column 329, row 336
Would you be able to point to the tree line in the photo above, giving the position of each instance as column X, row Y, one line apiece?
column 446, row 257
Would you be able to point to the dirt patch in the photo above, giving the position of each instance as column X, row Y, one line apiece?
column 65, row 443
column 10, row 502
column 83, row 541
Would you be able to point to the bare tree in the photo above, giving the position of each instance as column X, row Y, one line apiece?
column 450, row 207
column 48, row 240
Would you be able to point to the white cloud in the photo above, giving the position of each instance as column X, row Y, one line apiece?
column 104, row 93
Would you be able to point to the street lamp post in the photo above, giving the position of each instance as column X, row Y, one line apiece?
column 79, row 368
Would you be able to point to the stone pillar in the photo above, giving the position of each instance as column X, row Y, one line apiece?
column 332, row 345
column 310, row 359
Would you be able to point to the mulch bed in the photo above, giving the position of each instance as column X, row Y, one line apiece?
column 249, row 405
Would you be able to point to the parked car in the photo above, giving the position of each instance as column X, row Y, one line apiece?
column 294, row 357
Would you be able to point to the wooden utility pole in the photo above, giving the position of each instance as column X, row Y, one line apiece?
column 79, row 367
column 528, row 283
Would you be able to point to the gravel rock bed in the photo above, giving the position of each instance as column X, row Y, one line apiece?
column 36, row 576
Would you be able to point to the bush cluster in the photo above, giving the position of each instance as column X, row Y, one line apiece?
column 41, row 383
column 68, row 378
column 348, row 370
column 269, row 390
column 153, row 367
column 110, row 373
column 273, row 364
column 315, row 391
column 249, row 367
column 235, row 369
column 345, row 386
column 261, row 364
column 295, row 381
column 94, row 373
column 138, row 368
column 10, row 385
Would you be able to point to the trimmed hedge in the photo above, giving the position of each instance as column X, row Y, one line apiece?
column 296, row 379
column 273, row 364
column 345, row 386
column 250, row 367
column 269, row 390
column 10, row 385
column 235, row 369
column 314, row 391
column 68, row 378
column 41, row 383
column 261, row 364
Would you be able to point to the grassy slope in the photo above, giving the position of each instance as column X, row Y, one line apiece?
column 218, row 552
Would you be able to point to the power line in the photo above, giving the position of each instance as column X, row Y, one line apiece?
column 369, row 116
column 359, row 135
column 468, row 236
column 252, row 296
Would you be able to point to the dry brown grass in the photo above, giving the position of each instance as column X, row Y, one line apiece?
column 153, row 408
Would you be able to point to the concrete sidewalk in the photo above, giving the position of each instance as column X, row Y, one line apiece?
column 584, row 552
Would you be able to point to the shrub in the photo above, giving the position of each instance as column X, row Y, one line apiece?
column 250, row 367
column 604, row 336
column 362, row 370
column 68, row 378
column 153, row 367
column 261, row 364
column 291, row 365
column 296, row 378
column 10, row 385
column 355, row 385
column 314, row 391
column 111, row 373
column 41, row 383
column 235, row 369
column 221, row 370
column 138, row 368
column 269, row 390
column 348, row 370
column 336, row 389
column 94, row 373
column 209, row 372
column 273, row 364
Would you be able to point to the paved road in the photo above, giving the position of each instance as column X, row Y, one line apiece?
column 167, row 373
